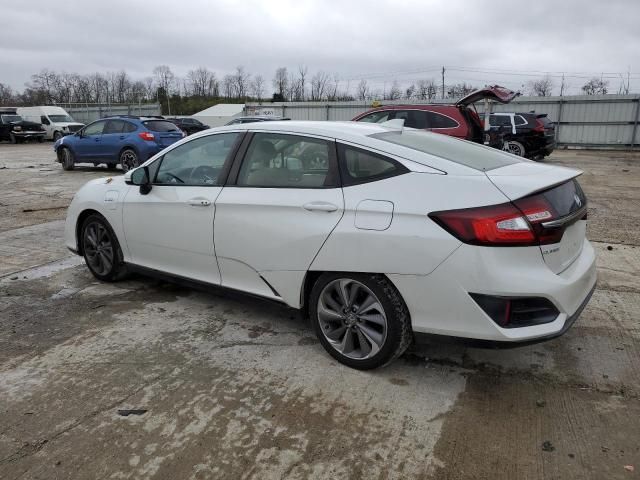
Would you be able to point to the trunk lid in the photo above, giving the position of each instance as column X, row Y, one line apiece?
column 529, row 182
column 493, row 92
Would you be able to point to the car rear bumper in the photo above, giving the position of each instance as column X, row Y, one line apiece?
column 440, row 303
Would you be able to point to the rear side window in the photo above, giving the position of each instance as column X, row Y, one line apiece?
column 160, row 126
column 361, row 166
column 129, row 127
column 520, row 120
column 437, row 120
column 458, row 151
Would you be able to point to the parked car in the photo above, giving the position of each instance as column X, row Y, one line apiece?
column 55, row 120
column 14, row 129
column 125, row 140
column 256, row 118
column 457, row 120
column 188, row 125
column 376, row 232
column 530, row 135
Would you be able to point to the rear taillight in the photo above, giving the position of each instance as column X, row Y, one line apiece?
column 147, row 136
column 539, row 127
column 508, row 224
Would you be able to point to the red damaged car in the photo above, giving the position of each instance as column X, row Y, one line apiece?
column 458, row 120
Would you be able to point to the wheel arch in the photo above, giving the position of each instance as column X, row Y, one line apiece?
column 80, row 221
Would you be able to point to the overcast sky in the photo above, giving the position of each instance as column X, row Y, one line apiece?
column 378, row 40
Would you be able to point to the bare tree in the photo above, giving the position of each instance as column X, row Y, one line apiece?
column 228, row 86
column 363, row 90
column 394, row 93
column 460, row 90
column 6, row 94
column 426, row 89
column 302, row 75
column 596, row 86
column 241, row 81
column 319, row 85
column 410, row 91
column 281, row 82
column 164, row 80
column 199, row 81
column 257, row 87
column 542, row 87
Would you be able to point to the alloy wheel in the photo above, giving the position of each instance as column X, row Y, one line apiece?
column 352, row 318
column 128, row 160
column 98, row 248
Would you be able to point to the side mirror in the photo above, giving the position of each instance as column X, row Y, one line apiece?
column 140, row 177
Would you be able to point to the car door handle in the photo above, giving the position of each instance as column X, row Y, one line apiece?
column 122, row 137
column 199, row 202
column 320, row 207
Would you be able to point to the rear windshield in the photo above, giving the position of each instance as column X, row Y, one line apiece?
column 465, row 153
column 160, row 126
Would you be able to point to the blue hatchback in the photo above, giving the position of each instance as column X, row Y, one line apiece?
column 125, row 140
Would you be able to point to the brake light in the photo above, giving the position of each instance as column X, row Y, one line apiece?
column 500, row 224
column 539, row 127
column 507, row 224
column 147, row 136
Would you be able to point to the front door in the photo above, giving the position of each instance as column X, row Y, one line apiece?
column 171, row 228
column 88, row 145
column 275, row 213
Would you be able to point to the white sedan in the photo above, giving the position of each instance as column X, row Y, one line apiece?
column 375, row 231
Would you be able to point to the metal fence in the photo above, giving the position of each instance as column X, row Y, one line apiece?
column 582, row 121
column 86, row 113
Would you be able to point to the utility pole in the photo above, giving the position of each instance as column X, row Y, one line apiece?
column 443, row 83
column 562, row 85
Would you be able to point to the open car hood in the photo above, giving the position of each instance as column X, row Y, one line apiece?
column 492, row 92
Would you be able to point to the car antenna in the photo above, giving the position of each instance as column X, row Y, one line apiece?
column 394, row 124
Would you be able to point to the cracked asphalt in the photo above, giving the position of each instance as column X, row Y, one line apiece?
column 228, row 386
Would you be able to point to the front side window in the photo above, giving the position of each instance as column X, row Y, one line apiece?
column 44, row 120
column 95, row 128
column 198, row 162
column 361, row 166
column 376, row 117
column 61, row 118
column 287, row 161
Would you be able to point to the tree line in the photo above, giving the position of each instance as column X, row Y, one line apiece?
column 201, row 88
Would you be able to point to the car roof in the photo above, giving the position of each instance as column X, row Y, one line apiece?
column 360, row 134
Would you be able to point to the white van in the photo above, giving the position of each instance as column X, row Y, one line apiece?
column 55, row 120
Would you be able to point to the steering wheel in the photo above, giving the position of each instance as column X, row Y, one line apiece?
column 173, row 176
column 204, row 174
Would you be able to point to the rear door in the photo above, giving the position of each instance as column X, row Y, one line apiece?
column 113, row 139
column 282, row 201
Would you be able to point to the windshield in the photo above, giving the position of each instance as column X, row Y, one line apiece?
column 11, row 118
column 455, row 150
column 61, row 118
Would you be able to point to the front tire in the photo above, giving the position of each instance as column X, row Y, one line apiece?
column 360, row 319
column 57, row 136
column 68, row 159
column 101, row 250
column 129, row 159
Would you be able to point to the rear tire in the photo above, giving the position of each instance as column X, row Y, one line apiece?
column 101, row 249
column 68, row 159
column 515, row 148
column 360, row 319
column 129, row 159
